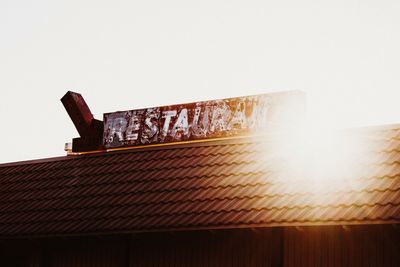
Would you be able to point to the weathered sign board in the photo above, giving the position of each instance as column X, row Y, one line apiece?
column 201, row 120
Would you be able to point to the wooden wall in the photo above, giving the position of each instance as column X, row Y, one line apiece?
column 337, row 246
column 374, row 245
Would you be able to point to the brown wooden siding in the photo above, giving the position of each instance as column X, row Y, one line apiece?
column 337, row 246
column 373, row 245
column 218, row 248
column 99, row 252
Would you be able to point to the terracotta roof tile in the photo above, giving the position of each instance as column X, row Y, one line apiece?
column 237, row 183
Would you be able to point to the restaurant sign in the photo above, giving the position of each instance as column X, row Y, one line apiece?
column 201, row 120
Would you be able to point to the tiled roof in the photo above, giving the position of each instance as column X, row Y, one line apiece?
column 241, row 182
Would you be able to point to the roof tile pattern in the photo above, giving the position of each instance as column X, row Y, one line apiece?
column 237, row 183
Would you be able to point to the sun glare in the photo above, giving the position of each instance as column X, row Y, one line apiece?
column 318, row 159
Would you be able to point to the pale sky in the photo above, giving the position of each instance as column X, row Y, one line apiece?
column 122, row 55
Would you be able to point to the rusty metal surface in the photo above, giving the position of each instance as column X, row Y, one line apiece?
column 214, row 185
column 90, row 129
column 201, row 120
column 79, row 112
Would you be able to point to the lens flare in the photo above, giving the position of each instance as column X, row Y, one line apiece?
column 316, row 159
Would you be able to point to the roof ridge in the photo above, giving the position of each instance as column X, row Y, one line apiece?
column 136, row 161
column 236, row 140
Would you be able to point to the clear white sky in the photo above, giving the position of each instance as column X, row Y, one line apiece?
column 128, row 54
